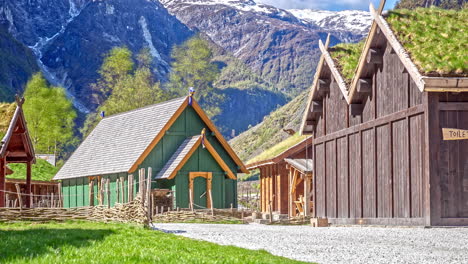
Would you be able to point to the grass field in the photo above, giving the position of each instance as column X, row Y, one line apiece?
column 89, row 242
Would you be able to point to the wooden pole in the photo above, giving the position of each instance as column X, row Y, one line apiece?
column 108, row 192
column 59, row 191
column 2, row 182
column 28, row 184
column 307, row 179
column 130, row 188
column 122, row 182
column 18, row 192
column 91, row 192
column 117, row 190
column 148, row 192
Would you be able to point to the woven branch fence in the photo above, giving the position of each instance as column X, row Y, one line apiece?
column 132, row 212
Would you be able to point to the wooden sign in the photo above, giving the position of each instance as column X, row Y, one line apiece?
column 454, row 134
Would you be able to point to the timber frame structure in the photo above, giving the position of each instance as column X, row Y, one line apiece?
column 170, row 147
column 285, row 181
column 379, row 155
column 16, row 147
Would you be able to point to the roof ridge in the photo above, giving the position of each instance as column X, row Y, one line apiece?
column 145, row 107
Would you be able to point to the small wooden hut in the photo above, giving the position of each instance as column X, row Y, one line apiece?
column 286, row 181
column 174, row 141
column 378, row 146
column 15, row 147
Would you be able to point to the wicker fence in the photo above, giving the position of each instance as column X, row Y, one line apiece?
column 132, row 212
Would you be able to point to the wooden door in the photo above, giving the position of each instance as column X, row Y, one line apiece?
column 453, row 167
column 200, row 193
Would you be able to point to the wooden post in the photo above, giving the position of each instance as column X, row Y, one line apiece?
column 148, row 192
column 270, row 211
column 60, row 194
column 18, row 192
column 130, row 188
column 28, row 184
column 122, row 182
column 101, row 192
column 108, row 192
column 91, row 192
column 191, row 199
column 117, row 190
column 52, row 202
column 2, row 182
column 307, row 179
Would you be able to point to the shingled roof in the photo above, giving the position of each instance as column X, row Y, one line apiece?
column 118, row 141
column 182, row 153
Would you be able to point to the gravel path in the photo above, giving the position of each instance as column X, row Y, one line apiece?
column 338, row 244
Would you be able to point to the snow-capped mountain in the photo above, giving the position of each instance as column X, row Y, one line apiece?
column 280, row 45
column 354, row 21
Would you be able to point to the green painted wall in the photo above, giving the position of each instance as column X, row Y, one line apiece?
column 224, row 190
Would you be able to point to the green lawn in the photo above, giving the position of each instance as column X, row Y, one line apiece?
column 89, row 242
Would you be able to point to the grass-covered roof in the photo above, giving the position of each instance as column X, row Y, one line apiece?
column 278, row 148
column 346, row 58
column 41, row 171
column 436, row 39
column 6, row 113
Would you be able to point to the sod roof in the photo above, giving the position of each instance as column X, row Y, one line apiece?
column 6, row 113
column 436, row 39
column 346, row 58
column 278, row 148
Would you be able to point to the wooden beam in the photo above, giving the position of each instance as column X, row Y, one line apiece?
column 375, row 56
column 220, row 161
column 317, row 107
column 356, row 109
column 364, row 86
column 335, row 72
column 311, row 122
column 323, row 86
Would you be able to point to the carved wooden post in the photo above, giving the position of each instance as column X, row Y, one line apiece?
column 91, row 192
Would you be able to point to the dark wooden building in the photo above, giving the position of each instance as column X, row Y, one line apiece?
column 15, row 147
column 379, row 154
column 285, row 181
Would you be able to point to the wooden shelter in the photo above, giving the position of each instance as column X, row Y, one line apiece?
column 379, row 155
column 16, row 147
column 45, row 193
column 173, row 143
column 286, row 181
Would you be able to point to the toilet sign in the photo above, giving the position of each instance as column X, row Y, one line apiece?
column 454, row 134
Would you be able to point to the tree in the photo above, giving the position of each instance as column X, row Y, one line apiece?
column 125, row 87
column 116, row 66
column 192, row 66
column 50, row 115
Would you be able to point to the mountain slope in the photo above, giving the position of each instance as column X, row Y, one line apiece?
column 69, row 37
column 277, row 45
column 270, row 131
column 17, row 64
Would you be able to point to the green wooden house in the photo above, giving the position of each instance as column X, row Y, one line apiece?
column 175, row 140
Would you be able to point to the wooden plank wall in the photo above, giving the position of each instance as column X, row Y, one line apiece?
column 370, row 166
column 451, row 198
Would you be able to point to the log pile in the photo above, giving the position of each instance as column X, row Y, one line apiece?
column 133, row 211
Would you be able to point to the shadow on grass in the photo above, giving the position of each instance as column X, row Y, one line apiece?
column 39, row 241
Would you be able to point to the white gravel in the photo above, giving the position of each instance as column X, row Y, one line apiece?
column 337, row 244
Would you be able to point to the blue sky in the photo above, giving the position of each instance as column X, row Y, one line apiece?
column 335, row 5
